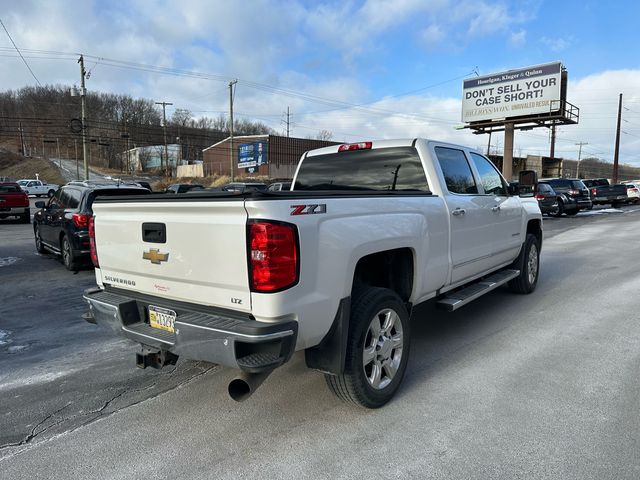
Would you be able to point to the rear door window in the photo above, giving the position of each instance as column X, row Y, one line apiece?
column 379, row 169
column 491, row 181
column 456, row 170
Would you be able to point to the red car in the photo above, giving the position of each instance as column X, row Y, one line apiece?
column 14, row 202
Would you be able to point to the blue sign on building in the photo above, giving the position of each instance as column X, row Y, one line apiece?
column 252, row 155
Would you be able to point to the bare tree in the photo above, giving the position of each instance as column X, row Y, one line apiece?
column 325, row 135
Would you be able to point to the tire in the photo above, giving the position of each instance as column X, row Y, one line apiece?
column 68, row 258
column 560, row 209
column 39, row 246
column 528, row 262
column 377, row 355
column 572, row 212
column 616, row 204
column 50, row 193
column 26, row 218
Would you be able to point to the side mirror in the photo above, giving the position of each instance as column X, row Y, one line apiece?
column 40, row 204
column 527, row 182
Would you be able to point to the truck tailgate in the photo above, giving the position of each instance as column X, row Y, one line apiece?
column 202, row 259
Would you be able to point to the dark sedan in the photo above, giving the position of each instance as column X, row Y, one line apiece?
column 547, row 199
column 573, row 195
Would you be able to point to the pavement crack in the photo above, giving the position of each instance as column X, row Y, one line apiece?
column 34, row 433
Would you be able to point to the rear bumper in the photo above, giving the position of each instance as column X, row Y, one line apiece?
column 14, row 210
column 217, row 336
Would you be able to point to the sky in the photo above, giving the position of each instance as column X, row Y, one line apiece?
column 362, row 70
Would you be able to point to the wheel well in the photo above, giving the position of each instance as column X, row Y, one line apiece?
column 391, row 269
column 535, row 228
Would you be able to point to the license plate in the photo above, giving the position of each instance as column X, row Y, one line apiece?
column 162, row 318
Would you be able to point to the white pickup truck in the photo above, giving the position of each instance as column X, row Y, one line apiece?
column 37, row 187
column 332, row 267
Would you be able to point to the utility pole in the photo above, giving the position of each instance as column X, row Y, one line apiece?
column 22, row 139
column 75, row 147
column 58, row 150
column 288, row 120
column 617, row 150
column 552, row 153
column 164, row 132
column 579, row 155
column 83, row 93
column 231, row 169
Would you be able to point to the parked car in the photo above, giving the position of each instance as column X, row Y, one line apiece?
column 547, row 199
column 183, row 187
column 279, row 186
column 61, row 226
column 14, row 202
column 633, row 191
column 244, row 187
column 602, row 192
column 573, row 195
column 37, row 187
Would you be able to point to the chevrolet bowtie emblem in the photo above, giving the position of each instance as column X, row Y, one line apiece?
column 155, row 256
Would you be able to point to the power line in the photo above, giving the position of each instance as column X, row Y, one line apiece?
column 18, row 50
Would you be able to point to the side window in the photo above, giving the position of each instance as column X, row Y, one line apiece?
column 31, row 184
column 55, row 201
column 456, row 170
column 72, row 199
column 490, row 179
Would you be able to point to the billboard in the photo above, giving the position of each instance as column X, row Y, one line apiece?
column 514, row 93
column 252, row 155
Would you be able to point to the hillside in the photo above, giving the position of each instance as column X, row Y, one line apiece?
column 16, row 166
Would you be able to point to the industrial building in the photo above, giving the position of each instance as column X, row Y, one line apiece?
column 272, row 156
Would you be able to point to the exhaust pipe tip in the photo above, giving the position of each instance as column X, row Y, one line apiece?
column 245, row 385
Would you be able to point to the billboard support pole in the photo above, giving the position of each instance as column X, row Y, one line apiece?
column 507, row 156
column 617, row 148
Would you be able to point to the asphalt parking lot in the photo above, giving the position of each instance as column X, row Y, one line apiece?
column 538, row 386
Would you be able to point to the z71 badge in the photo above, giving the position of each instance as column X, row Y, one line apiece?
column 308, row 209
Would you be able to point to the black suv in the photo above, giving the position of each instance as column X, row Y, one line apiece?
column 61, row 225
column 573, row 195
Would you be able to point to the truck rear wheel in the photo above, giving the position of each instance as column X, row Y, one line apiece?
column 377, row 349
column 528, row 262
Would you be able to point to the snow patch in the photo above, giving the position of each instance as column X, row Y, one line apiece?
column 4, row 334
column 6, row 261
column 587, row 213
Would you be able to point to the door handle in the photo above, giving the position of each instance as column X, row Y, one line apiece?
column 496, row 208
column 458, row 211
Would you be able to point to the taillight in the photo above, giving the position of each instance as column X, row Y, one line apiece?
column 26, row 199
column 273, row 255
column 539, row 197
column 92, row 242
column 355, row 146
column 594, row 191
column 574, row 192
column 80, row 220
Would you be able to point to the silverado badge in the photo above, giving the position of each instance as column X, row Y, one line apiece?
column 155, row 256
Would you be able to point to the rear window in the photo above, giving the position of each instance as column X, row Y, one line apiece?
column 10, row 189
column 113, row 192
column 380, row 169
column 560, row 183
column 577, row 184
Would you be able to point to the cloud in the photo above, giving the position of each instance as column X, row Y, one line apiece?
column 557, row 44
column 432, row 36
column 517, row 39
